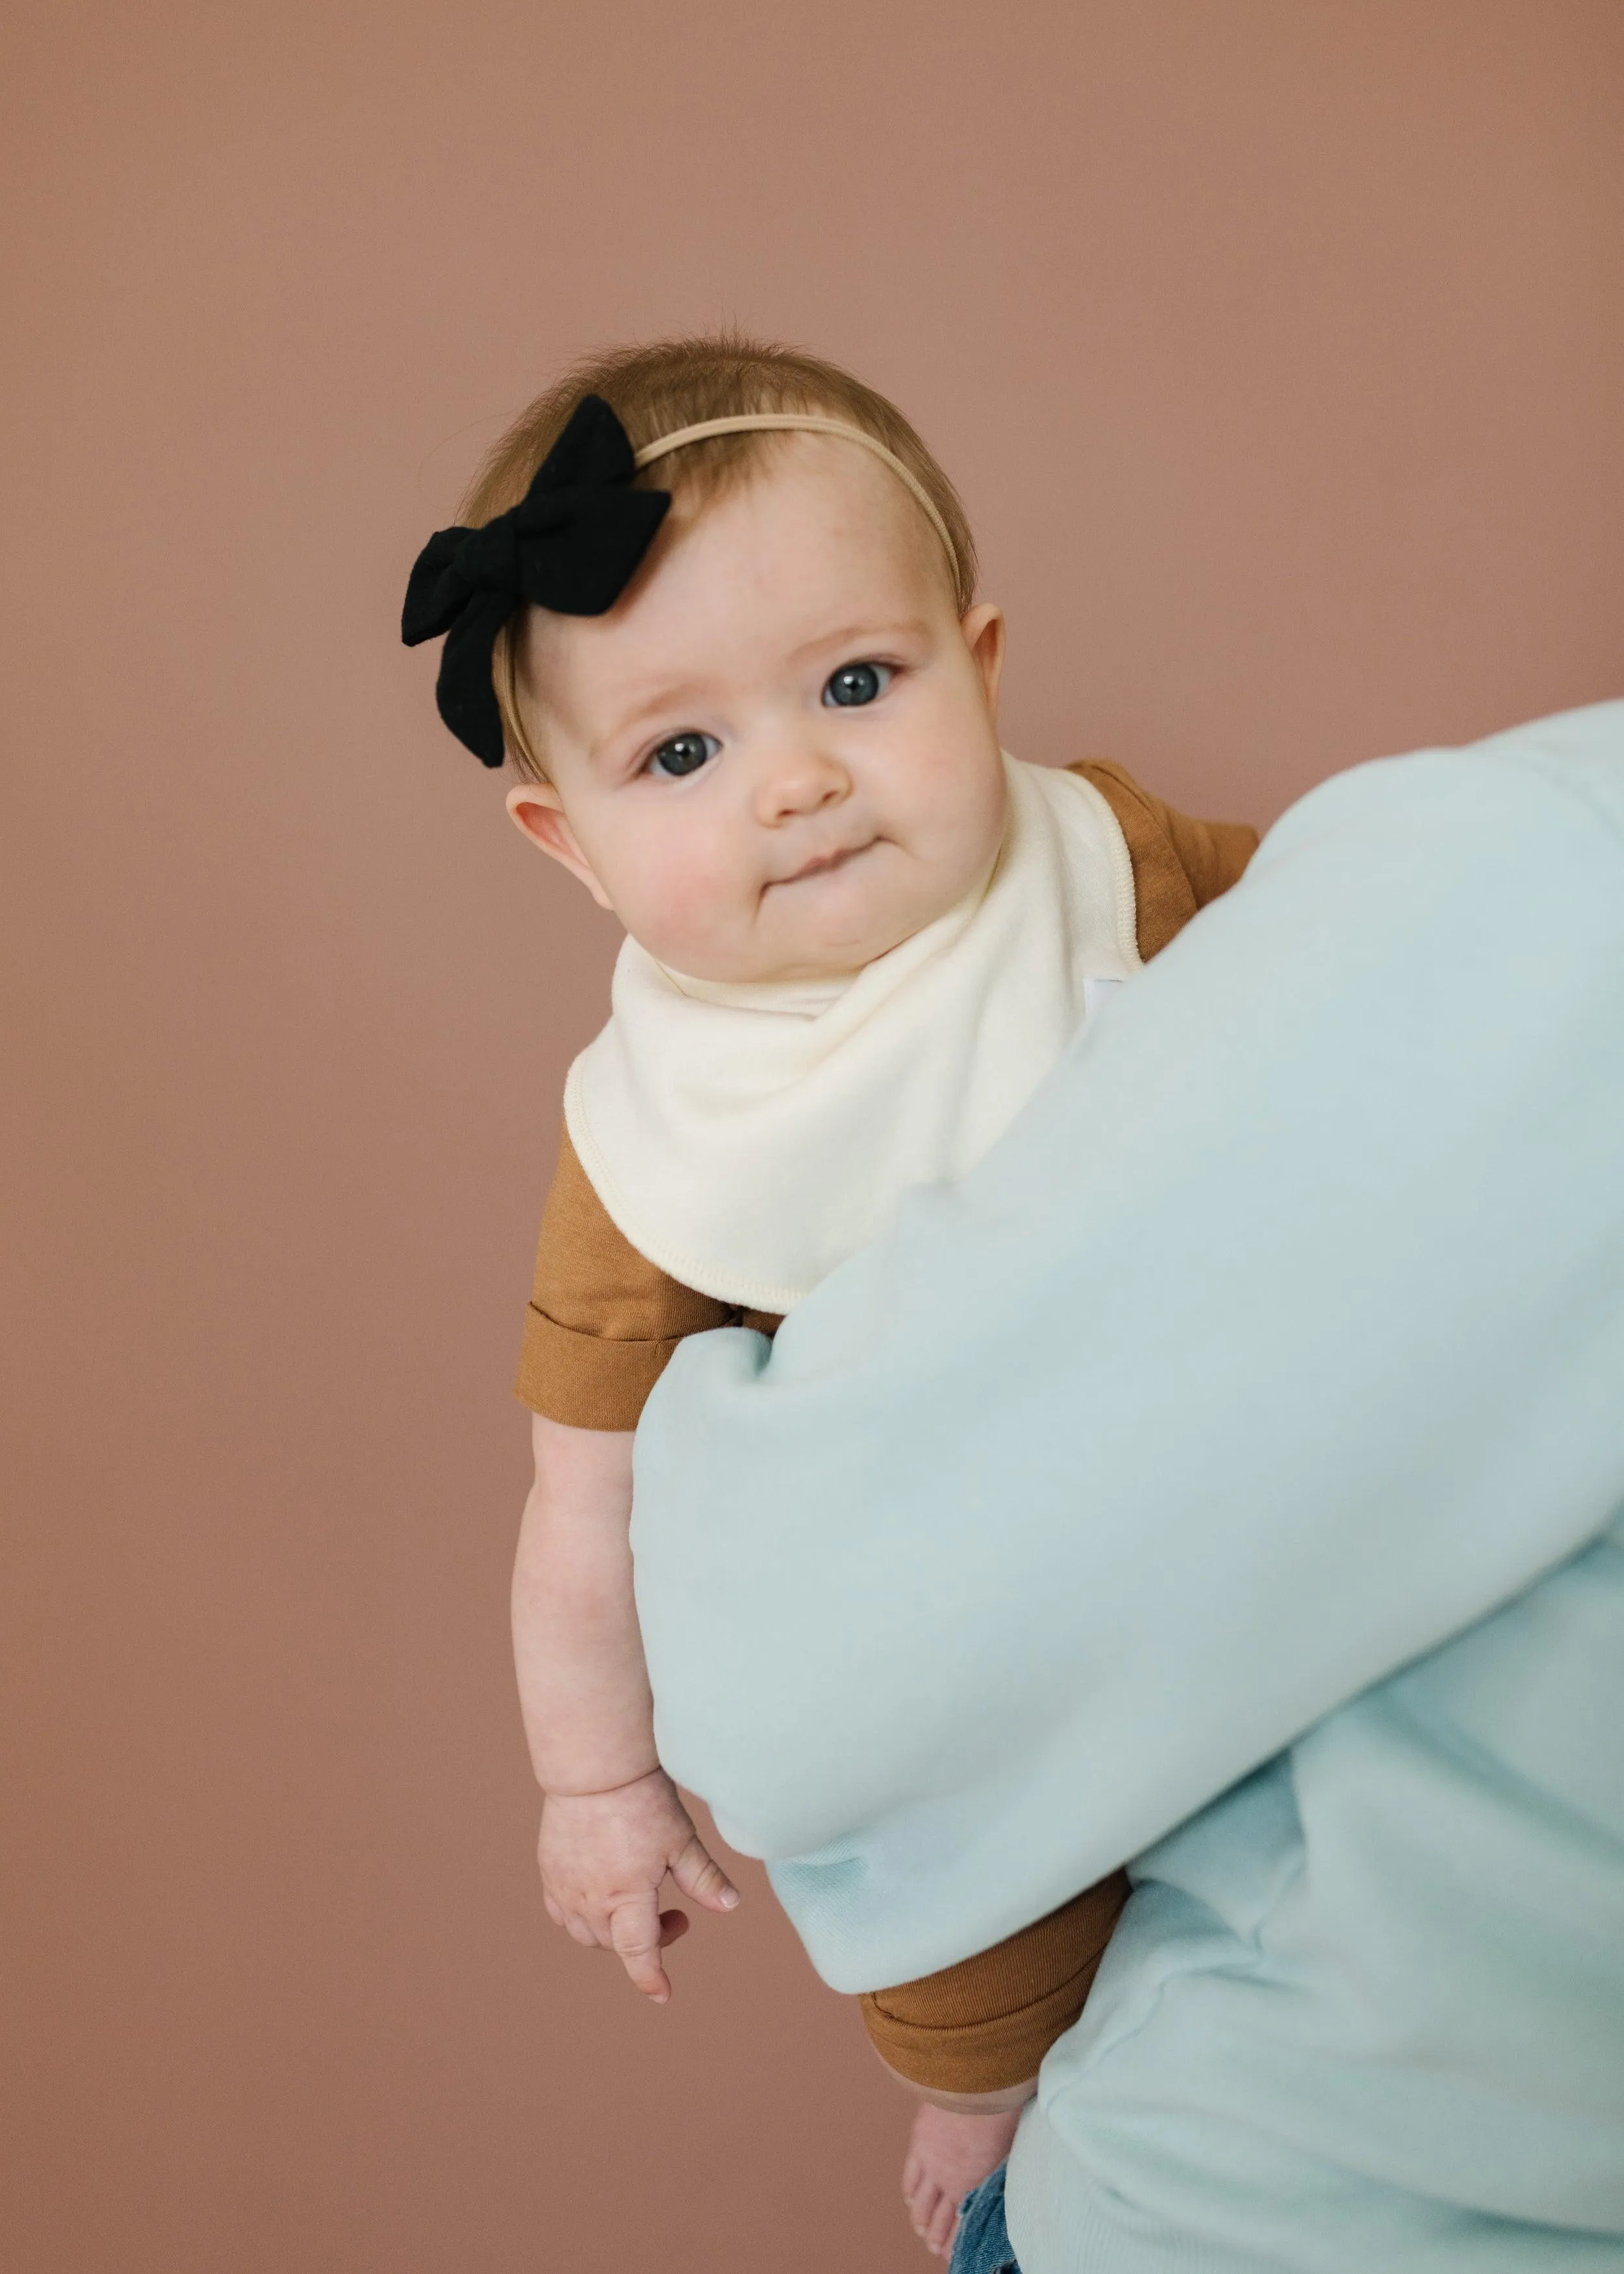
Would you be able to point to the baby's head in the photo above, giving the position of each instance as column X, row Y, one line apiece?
column 776, row 755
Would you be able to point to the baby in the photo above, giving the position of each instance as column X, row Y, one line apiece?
column 716, row 603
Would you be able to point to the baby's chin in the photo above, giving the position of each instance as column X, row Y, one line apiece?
column 819, row 936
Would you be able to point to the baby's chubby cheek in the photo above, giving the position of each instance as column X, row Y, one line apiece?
column 953, row 822
column 684, row 904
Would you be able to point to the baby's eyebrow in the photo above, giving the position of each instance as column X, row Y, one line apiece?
column 665, row 701
column 865, row 632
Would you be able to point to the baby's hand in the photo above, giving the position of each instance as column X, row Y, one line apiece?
column 949, row 2153
column 604, row 1856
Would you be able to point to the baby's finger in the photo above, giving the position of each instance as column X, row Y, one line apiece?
column 698, row 1874
column 672, row 1927
column 582, row 1931
column 635, row 1938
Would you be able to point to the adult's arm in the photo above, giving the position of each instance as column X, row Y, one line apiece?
column 1281, row 1339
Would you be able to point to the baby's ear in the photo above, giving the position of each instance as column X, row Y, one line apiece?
column 983, row 626
column 537, row 811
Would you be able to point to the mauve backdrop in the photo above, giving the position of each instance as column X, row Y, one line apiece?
column 1279, row 349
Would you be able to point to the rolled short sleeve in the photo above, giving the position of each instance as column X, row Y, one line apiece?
column 603, row 1320
column 985, row 2024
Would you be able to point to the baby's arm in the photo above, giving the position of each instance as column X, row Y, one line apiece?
column 611, row 1823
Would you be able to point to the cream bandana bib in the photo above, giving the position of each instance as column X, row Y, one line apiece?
column 746, row 1139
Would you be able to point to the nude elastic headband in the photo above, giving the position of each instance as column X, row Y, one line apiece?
column 807, row 423
column 572, row 544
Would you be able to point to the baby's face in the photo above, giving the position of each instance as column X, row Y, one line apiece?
column 776, row 757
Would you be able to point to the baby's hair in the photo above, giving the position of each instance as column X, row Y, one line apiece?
column 654, row 390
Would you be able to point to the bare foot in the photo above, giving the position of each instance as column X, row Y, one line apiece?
column 949, row 2153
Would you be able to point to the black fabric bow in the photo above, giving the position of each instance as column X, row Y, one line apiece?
column 573, row 545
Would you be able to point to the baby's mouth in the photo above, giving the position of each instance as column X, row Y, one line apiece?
column 824, row 861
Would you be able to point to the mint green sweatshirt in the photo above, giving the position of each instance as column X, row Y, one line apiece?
column 1229, row 1476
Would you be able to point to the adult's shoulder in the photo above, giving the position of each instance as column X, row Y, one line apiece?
column 1552, row 775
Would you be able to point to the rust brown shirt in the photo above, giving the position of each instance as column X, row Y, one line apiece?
column 602, row 1324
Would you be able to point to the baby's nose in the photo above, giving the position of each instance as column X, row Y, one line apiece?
column 799, row 780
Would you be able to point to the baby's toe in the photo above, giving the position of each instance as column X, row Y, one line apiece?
column 938, row 2231
column 923, row 2204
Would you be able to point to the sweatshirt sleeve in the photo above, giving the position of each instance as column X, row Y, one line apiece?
column 1279, row 1341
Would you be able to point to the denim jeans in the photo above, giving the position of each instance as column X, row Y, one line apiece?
column 982, row 2245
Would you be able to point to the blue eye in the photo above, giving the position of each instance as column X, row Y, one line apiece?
column 856, row 683
column 683, row 754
